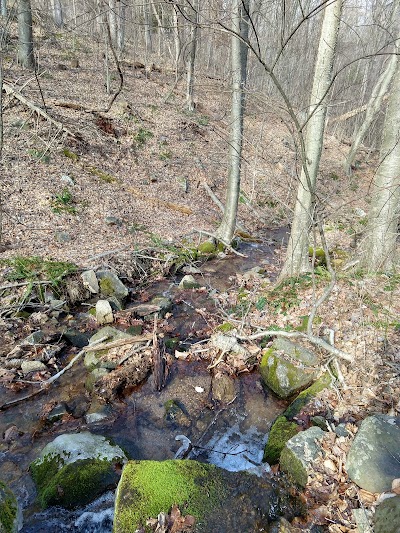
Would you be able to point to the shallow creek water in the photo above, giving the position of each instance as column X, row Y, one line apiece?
column 232, row 436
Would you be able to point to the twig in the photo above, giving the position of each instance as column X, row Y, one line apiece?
column 115, row 344
column 135, row 350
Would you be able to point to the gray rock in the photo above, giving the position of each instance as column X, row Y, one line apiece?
column 223, row 388
column 76, row 338
column 256, row 272
column 32, row 366
column 104, row 314
column 10, row 364
column 299, row 453
column 97, row 413
column 37, row 337
column 341, row 431
column 164, row 304
column 188, row 282
column 62, row 236
column 387, row 516
column 57, row 412
column 374, row 457
column 282, row 375
column 94, row 376
column 90, row 281
column 113, row 221
column 67, row 179
column 111, row 285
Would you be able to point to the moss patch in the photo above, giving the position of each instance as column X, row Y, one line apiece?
column 150, row 487
column 8, row 509
column 207, row 247
column 281, row 431
column 74, row 484
column 307, row 395
column 295, row 468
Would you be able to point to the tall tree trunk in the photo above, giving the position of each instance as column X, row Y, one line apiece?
column 25, row 37
column 4, row 8
column 383, row 219
column 297, row 260
column 121, row 26
column 177, row 39
column 192, row 56
column 147, row 28
column 58, row 13
column 240, row 27
column 112, row 21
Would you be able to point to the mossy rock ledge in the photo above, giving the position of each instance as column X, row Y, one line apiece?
column 217, row 499
column 74, row 469
column 10, row 513
column 287, row 368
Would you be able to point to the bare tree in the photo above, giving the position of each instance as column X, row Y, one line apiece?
column 192, row 55
column 58, row 13
column 25, row 36
column 4, row 8
column 240, row 29
column 304, row 214
column 383, row 218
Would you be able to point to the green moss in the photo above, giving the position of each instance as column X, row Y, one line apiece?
column 206, row 248
column 320, row 258
column 107, row 178
column 106, row 287
column 281, row 431
column 8, row 509
column 307, row 395
column 290, row 463
column 225, row 327
column 34, row 268
column 150, row 487
column 71, row 155
column 74, row 484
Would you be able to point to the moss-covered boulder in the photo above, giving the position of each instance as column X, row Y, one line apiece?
column 299, row 453
column 217, row 499
column 111, row 286
column 9, row 510
column 307, row 395
column 281, row 431
column 387, row 516
column 287, row 368
column 74, row 469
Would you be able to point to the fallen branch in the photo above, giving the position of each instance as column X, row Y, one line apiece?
column 45, row 384
column 316, row 341
column 117, row 343
column 36, row 109
column 170, row 205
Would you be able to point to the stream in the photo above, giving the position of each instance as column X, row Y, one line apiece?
column 231, row 435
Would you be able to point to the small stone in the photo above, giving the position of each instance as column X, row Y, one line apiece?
column 189, row 269
column 97, row 413
column 113, row 221
column 9, row 364
column 32, row 366
column 67, row 179
column 90, row 281
column 11, row 434
column 223, row 388
column 188, row 282
column 62, row 236
column 104, row 314
column 341, row 431
column 57, row 413
column 37, row 337
column 330, row 466
column 111, row 285
column 360, row 212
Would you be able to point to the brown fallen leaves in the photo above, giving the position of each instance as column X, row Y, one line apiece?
column 171, row 523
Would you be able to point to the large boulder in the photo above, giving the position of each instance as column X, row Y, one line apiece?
column 387, row 516
column 373, row 460
column 10, row 513
column 299, row 453
column 216, row 499
column 74, row 469
column 287, row 368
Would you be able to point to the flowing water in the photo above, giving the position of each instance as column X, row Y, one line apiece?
column 230, row 436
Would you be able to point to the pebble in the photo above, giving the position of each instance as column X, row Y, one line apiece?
column 32, row 366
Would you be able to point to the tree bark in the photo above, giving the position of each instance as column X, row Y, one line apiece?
column 25, row 37
column 192, row 56
column 4, row 8
column 58, row 13
column 373, row 107
column 240, row 28
column 379, row 250
column 297, row 260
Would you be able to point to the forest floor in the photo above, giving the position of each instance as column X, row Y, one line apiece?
column 135, row 177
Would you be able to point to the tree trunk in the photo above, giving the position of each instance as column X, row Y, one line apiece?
column 112, row 21
column 25, row 38
column 240, row 26
column 297, row 260
column 383, row 219
column 147, row 28
column 373, row 107
column 121, row 26
column 58, row 13
column 192, row 56
column 4, row 8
